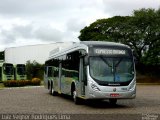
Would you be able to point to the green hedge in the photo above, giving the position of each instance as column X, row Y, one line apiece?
column 20, row 83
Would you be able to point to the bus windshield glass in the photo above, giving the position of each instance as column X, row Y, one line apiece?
column 111, row 70
column 21, row 69
column 8, row 69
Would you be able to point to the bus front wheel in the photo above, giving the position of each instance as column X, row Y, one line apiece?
column 74, row 95
column 77, row 100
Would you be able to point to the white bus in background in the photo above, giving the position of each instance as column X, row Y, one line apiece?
column 92, row 70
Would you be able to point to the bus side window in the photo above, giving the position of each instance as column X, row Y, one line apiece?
column 56, row 72
column 71, row 65
column 50, row 71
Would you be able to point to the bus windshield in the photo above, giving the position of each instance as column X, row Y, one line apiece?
column 21, row 69
column 111, row 70
column 8, row 69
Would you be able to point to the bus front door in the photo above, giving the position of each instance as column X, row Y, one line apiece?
column 82, row 78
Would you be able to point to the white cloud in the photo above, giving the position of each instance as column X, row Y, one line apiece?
column 126, row 7
column 10, row 32
column 75, row 25
column 46, row 33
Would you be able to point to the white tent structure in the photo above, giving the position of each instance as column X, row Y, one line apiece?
column 39, row 53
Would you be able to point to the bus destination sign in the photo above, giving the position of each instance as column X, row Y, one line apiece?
column 109, row 51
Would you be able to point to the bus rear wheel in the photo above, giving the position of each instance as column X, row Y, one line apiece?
column 52, row 91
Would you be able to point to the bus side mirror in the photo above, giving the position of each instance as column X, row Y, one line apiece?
column 86, row 60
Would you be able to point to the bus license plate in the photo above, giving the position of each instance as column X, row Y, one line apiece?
column 114, row 95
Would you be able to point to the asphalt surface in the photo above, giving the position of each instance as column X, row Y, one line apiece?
column 37, row 101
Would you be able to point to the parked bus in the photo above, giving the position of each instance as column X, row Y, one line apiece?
column 92, row 70
column 20, row 72
column 6, row 72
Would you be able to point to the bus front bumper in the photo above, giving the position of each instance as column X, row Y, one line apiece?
column 109, row 95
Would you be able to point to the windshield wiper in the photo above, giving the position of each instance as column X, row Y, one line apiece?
column 105, row 61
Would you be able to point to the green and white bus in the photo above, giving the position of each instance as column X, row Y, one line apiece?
column 92, row 70
column 6, row 72
column 20, row 72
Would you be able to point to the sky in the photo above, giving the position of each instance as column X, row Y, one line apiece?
column 30, row 22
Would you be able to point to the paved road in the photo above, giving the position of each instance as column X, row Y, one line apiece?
column 38, row 101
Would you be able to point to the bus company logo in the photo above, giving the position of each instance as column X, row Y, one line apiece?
column 114, row 89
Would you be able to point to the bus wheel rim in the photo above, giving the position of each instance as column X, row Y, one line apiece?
column 74, row 95
column 52, row 90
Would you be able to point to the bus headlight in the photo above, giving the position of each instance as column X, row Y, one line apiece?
column 94, row 87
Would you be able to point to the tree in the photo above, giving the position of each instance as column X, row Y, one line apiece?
column 34, row 69
column 141, row 32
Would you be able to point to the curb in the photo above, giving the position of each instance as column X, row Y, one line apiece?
column 22, row 87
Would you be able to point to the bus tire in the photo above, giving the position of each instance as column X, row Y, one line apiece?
column 113, row 101
column 76, row 100
column 50, row 88
column 53, row 92
column 74, row 95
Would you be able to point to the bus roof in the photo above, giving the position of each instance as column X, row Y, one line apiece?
column 5, row 63
column 83, row 45
column 88, row 43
